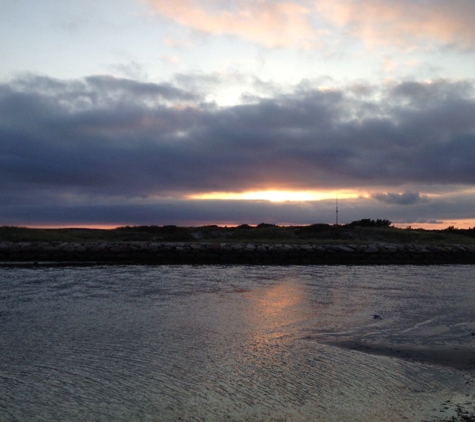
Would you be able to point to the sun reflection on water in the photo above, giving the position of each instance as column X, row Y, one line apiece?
column 275, row 309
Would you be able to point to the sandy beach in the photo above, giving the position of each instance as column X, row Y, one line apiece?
column 450, row 352
column 439, row 346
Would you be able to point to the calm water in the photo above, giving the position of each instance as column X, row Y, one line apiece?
column 235, row 343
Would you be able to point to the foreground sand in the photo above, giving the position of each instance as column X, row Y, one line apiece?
column 450, row 354
column 450, row 347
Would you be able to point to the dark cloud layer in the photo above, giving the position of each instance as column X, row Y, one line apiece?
column 97, row 140
column 202, row 212
column 406, row 198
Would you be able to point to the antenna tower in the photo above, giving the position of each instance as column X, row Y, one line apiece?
column 336, row 211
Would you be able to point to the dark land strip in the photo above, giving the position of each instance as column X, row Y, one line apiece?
column 234, row 253
column 266, row 244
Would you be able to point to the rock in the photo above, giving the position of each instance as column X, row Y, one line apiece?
column 344, row 249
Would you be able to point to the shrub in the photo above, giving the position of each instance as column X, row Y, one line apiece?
column 366, row 222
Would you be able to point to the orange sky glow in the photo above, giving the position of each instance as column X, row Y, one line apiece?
column 274, row 195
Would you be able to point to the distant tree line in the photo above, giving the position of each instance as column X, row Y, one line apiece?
column 367, row 222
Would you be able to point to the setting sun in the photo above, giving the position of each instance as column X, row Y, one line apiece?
column 275, row 195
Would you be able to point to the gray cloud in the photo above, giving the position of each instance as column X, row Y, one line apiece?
column 104, row 139
column 200, row 212
column 406, row 198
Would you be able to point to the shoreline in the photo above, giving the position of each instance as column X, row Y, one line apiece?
column 209, row 253
column 450, row 355
column 453, row 355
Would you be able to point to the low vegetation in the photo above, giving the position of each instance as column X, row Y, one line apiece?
column 361, row 231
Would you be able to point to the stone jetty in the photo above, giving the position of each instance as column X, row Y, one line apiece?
column 157, row 253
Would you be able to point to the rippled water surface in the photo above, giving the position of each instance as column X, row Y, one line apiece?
column 208, row 343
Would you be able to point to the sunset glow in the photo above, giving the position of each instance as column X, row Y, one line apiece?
column 438, row 225
column 275, row 196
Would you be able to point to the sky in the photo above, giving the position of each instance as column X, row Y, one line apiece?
column 197, row 112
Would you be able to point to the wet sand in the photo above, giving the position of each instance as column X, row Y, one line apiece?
column 450, row 353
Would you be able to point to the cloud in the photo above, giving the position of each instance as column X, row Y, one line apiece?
column 195, row 213
column 170, row 59
column 270, row 23
column 110, row 142
column 412, row 24
column 406, row 198
column 405, row 23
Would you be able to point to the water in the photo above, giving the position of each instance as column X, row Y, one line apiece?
column 237, row 343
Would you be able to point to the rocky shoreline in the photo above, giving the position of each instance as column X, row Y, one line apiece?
column 158, row 253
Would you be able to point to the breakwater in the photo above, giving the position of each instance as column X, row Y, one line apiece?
column 233, row 253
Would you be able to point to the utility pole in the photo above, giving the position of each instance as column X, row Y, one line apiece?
column 336, row 211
